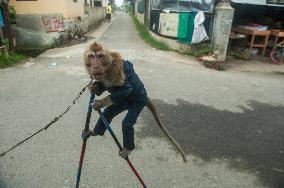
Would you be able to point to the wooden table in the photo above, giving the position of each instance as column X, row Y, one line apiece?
column 278, row 34
column 256, row 38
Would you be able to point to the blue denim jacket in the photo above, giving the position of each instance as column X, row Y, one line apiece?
column 132, row 89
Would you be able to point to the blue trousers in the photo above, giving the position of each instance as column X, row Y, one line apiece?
column 134, row 109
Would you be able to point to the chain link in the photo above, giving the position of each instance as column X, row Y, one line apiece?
column 68, row 108
column 51, row 122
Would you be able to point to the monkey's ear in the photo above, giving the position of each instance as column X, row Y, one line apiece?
column 115, row 55
column 108, row 58
column 87, row 55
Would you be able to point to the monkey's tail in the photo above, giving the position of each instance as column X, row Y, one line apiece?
column 152, row 108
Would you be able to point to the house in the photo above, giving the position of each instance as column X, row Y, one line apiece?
column 261, row 24
column 172, row 21
column 42, row 24
column 165, row 18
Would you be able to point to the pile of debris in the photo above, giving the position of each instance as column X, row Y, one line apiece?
column 212, row 62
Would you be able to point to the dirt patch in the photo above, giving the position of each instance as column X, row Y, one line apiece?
column 257, row 64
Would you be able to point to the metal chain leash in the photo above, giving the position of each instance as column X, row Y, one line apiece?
column 50, row 123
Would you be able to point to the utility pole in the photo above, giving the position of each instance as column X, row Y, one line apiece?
column 133, row 6
column 8, row 25
column 147, row 10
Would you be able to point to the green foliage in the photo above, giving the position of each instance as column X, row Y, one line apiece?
column 198, row 50
column 144, row 33
column 243, row 54
column 5, row 42
column 202, row 52
column 128, row 9
column 7, row 60
column 12, row 14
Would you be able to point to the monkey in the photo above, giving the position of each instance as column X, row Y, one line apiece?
column 127, row 92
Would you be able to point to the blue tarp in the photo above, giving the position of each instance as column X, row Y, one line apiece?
column 1, row 19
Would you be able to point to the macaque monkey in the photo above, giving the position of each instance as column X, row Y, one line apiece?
column 127, row 92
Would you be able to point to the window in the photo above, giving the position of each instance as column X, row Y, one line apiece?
column 75, row 1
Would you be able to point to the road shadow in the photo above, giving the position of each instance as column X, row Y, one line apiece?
column 250, row 141
column 3, row 184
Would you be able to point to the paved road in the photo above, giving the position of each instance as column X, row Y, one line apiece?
column 229, row 123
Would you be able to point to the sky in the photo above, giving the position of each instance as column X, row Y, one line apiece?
column 118, row 2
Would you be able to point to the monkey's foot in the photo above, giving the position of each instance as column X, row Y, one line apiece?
column 124, row 152
column 87, row 134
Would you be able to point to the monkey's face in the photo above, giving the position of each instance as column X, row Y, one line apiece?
column 97, row 64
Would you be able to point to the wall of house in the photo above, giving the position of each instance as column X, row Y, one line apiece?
column 74, row 9
column 173, row 44
column 67, row 8
column 38, row 7
column 139, row 10
column 140, row 17
column 93, row 15
column 42, row 31
column 41, row 22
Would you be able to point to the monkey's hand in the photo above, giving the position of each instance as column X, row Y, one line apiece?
column 96, row 88
column 98, row 104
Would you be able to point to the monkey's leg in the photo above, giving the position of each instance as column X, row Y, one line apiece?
column 109, row 113
column 127, row 124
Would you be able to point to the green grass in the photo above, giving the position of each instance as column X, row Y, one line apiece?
column 11, row 59
column 199, row 52
column 144, row 33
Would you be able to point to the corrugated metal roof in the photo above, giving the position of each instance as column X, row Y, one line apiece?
column 260, row 2
column 254, row 2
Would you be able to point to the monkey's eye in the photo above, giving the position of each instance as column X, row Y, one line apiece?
column 91, row 56
column 99, row 56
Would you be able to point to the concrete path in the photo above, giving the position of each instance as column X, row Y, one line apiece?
column 229, row 123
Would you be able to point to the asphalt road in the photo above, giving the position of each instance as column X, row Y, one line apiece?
column 230, row 123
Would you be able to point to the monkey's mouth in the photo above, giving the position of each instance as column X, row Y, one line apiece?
column 97, row 76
